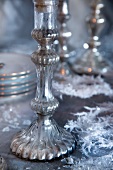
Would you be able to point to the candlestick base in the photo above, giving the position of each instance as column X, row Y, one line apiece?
column 43, row 140
column 91, row 63
column 63, row 69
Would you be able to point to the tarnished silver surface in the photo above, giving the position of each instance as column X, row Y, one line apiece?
column 44, row 139
column 65, row 50
column 3, row 164
column 92, row 62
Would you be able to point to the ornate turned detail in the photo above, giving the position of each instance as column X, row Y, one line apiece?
column 44, row 139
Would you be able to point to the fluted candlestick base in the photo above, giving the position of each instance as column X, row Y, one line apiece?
column 43, row 140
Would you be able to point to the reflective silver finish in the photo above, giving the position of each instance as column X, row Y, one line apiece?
column 44, row 139
column 92, row 62
column 64, row 49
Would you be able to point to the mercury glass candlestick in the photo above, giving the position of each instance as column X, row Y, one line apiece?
column 44, row 139
column 65, row 51
column 92, row 61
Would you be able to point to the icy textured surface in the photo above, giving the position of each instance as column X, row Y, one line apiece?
column 83, row 86
column 12, row 118
column 94, row 129
column 9, row 117
column 101, row 163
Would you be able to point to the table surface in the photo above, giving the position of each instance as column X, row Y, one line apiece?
column 67, row 105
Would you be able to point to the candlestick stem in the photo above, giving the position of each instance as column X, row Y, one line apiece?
column 66, row 51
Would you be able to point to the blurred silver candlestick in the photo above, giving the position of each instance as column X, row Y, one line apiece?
column 92, row 62
column 44, row 139
column 65, row 51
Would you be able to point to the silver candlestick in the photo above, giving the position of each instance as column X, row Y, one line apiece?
column 92, row 62
column 44, row 139
column 64, row 49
